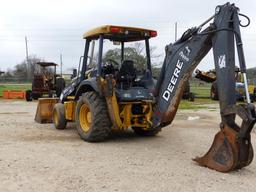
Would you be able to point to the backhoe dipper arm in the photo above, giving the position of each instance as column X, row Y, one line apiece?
column 232, row 147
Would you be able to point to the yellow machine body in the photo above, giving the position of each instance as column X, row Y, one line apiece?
column 251, row 89
column 70, row 108
column 121, row 114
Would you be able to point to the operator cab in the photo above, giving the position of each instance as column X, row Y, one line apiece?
column 118, row 52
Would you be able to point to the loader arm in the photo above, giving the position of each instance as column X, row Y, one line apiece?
column 232, row 147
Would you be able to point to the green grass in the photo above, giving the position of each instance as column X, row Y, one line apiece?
column 190, row 105
column 201, row 91
column 18, row 87
column 199, row 103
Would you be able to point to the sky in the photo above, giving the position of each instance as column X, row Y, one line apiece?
column 55, row 27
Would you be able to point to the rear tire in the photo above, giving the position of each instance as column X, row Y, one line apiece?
column 252, row 97
column 60, row 85
column 36, row 96
column 58, row 116
column 191, row 97
column 92, row 120
column 29, row 95
column 214, row 91
column 186, row 92
column 50, row 94
column 146, row 133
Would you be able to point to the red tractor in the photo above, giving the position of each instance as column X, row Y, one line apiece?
column 45, row 82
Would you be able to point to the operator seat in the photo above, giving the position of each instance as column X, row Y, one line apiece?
column 127, row 73
column 128, row 91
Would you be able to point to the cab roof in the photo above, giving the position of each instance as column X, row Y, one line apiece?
column 120, row 33
column 46, row 64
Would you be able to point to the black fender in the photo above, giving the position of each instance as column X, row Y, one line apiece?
column 85, row 86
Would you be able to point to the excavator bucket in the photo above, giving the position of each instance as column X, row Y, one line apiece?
column 227, row 152
column 232, row 148
column 44, row 110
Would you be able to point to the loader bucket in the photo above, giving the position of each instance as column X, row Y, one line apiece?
column 44, row 110
column 227, row 153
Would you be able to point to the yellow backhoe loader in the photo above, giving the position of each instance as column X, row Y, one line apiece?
column 115, row 95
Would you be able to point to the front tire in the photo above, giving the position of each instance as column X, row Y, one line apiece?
column 92, row 120
column 29, row 95
column 58, row 116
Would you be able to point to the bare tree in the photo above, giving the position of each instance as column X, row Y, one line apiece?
column 20, row 70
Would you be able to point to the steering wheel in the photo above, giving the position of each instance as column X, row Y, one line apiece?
column 111, row 62
column 110, row 66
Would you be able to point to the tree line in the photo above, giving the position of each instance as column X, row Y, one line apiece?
column 23, row 71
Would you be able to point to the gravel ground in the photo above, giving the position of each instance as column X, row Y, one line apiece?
column 36, row 157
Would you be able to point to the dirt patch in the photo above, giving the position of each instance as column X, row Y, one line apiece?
column 36, row 157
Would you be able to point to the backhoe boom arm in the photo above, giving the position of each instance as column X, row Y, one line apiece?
column 181, row 59
column 232, row 147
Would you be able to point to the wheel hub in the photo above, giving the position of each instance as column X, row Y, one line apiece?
column 85, row 117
